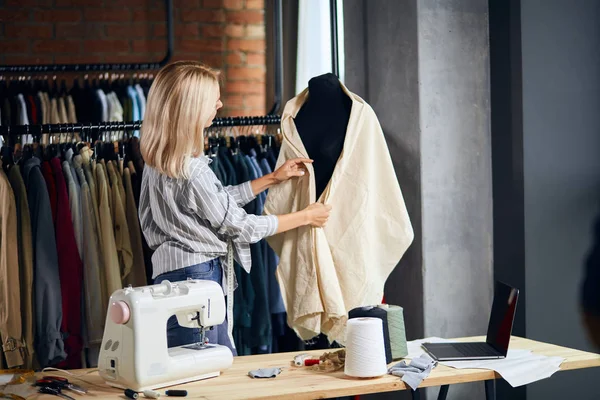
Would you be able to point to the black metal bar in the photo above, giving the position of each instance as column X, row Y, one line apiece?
column 36, row 130
column 490, row 389
column 416, row 394
column 335, row 64
column 103, row 67
column 170, row 33
column 443, row 393
column 278, row 55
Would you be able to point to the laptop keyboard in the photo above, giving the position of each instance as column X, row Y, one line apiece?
column 471, row 349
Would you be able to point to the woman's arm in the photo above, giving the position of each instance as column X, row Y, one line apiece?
column 216, row 205
column 263, row 183
column 227, row 218
column 290, row 169
column 242, row 193
column 316, row 215
column 247, row 191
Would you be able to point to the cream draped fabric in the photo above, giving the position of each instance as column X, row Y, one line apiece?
column 325, row 272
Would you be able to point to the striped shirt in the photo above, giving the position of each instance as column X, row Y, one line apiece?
column 188, row 221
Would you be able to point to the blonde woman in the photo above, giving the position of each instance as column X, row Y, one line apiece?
column 186, row 215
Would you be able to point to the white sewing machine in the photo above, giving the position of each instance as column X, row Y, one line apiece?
column 134, row 353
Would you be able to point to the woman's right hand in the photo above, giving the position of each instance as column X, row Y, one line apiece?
column 317, row 214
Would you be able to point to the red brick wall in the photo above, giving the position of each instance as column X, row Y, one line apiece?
column 226, row 34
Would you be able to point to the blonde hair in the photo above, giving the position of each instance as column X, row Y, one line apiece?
column 180, row 102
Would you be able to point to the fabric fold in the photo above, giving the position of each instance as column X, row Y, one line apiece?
column 325, row 272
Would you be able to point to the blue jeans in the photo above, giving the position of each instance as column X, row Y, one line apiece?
column 178, row 335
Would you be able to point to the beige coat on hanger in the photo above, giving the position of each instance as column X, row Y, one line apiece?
column 325, row 272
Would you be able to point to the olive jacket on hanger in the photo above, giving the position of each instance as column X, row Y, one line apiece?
column 25, row 262
column 325, row 272
column 10, row 299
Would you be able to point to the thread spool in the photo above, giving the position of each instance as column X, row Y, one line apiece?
column 397, row 331
column 299, row 359
column 365, row 350
column 382, row 314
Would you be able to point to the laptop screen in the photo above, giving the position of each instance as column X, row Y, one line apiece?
column 502, row 317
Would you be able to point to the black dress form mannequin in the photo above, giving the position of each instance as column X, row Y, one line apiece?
column 322, row 123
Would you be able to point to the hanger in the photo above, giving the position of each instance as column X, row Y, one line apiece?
column 123, row 141
column 45, row 85
column 54, row 87
column 233, row 143
column 3, row 86
column 37, row 147
column 27, row 148
column 49, row 149
column 63, row 87
column 75, row 86
column 68, row 143
column 6, row 153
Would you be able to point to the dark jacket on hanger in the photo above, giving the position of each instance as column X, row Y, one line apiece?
column 70, row 270
column 260, row 334
column 244, row 295
column 51, row 187
column 49, row 344
column 6, row 112
column 227, row 166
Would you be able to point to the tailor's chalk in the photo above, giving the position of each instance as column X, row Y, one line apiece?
column 132, row 394
column 151, row 394
column 309, row 362
column 176, row 393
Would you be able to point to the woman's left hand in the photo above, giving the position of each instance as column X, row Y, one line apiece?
column 291, row 168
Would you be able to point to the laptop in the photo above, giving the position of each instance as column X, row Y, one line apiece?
column 500, row 326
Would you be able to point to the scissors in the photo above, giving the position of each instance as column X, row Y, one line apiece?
column 64, row 383
column 55, row 385
column 56, row 391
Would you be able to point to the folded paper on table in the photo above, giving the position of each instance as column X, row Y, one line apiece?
column 520, row 367
column 5, row 378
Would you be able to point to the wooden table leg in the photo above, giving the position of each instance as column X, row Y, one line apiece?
column 490, row 389
column 443, row 392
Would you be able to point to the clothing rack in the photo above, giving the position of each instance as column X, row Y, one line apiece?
column 103, row 67
column 277, row 56
column 333, row 18
column 36, row 130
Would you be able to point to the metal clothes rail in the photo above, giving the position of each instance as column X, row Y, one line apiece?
column 36, row 130
column 333, row 18
column 278, row 55
column 103, row 67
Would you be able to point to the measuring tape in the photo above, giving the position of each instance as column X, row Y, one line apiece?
column 20, row 375
column 230, row 283
column 11, row 396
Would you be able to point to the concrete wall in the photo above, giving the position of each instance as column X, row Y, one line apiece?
column 561, row 144
column 455, row 166
column 423, row 66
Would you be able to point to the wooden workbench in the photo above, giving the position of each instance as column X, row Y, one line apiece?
column 303, row 383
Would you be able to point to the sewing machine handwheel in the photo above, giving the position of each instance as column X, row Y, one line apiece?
column 119, row 312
